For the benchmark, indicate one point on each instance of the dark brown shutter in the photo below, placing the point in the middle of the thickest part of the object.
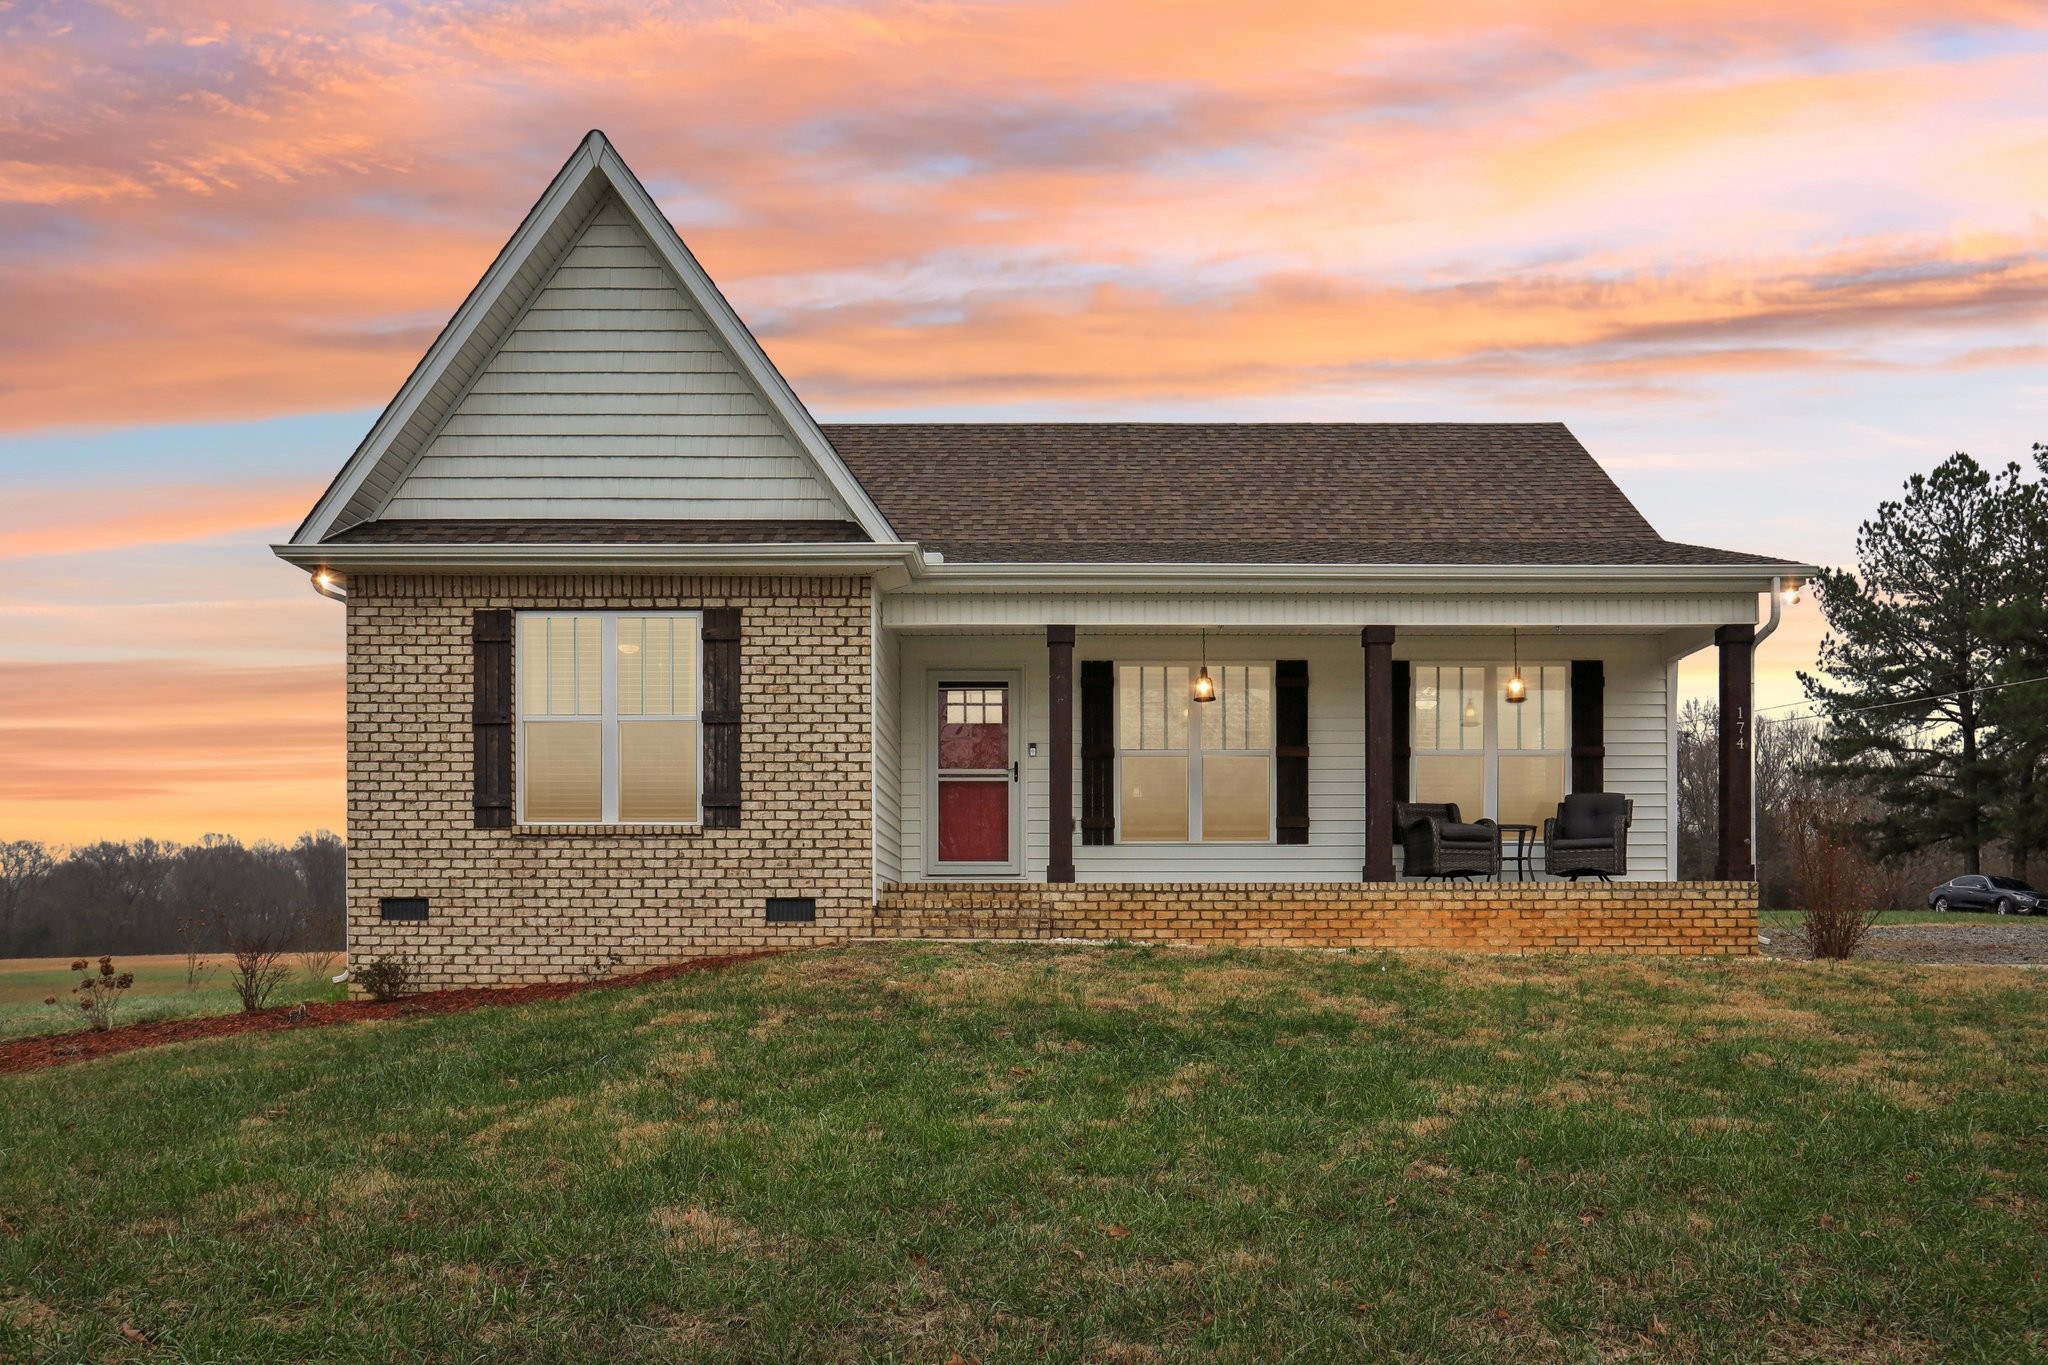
(722, 718)
(1098, 752)
(1290, 750)
(1589, 725)
(490, 716)
(1404, 743)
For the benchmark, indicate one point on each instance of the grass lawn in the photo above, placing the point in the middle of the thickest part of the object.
(1792, 919)
(1026, 1153)
(159, 991)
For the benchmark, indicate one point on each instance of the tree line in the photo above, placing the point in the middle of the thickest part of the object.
(151, 896)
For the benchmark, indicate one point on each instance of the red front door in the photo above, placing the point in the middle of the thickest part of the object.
(975, 773)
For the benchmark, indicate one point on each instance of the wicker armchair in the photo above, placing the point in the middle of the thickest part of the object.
(1588, 837)
(1435, 843)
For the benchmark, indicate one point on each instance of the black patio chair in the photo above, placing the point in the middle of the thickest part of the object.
(1436, 843)
(1588, 837)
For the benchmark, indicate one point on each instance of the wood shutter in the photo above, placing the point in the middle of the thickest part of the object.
(1404, 743)
(1589, 725)
(1098, 752)
(490, 716)
(721, 718)
(1290, 750)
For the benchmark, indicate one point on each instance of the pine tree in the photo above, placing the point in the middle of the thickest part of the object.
(2017, 707)
(1908, 651)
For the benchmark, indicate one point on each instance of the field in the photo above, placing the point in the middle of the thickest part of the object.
(1027, 1153)
(159, 991)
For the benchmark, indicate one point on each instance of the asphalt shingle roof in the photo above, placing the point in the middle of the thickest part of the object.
(1255, 493)
(1188, 492)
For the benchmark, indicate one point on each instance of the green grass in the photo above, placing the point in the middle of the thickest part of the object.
(159, 992)
(1791, 919)
(1027, 1153)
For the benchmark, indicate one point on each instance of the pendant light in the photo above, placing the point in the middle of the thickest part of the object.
(1204, 686)
(1518, 690)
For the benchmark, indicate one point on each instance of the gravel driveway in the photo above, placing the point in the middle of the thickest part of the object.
(1978, 941)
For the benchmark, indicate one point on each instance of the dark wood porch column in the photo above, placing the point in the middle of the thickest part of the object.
(1379, 752)
(1736, 861)
(1059, 726)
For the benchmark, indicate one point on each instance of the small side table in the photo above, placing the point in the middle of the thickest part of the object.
(1523, 854)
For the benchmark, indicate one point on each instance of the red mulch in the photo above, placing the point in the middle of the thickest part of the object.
(29, 1054)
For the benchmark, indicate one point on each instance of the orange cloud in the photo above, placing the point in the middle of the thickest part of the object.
(169, 748)
(68, 520)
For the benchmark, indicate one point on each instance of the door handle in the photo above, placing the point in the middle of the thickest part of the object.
(1016, 774)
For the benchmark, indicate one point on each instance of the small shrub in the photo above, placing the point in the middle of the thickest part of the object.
(1835, 881)
(99, 991)
(387, 978)
(318, 964)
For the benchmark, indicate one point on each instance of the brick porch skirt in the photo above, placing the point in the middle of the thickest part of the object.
(1658, 918)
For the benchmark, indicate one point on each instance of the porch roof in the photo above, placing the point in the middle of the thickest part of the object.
(1475, 493)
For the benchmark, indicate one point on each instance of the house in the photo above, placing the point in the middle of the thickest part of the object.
(644, 662)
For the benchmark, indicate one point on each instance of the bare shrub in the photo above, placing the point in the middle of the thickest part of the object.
(259, 937)
(98, 991)
(387, 978)
(318, 964)
(1838, 900)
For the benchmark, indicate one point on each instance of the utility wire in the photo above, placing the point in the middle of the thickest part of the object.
(1910, 701)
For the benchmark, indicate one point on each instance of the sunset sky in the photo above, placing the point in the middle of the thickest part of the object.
(1766, 259)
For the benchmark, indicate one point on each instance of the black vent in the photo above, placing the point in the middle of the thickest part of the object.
(403, 907)
(792, 909)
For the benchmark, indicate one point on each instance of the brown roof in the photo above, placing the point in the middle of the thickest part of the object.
(1255, 493)
(576, 531)
(1187, 492)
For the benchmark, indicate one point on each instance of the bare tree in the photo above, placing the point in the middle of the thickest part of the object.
(25, 864)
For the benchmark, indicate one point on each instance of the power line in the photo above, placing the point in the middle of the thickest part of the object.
(1910, 701)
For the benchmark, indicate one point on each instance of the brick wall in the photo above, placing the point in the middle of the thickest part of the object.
(1661, 918)
(517, 905)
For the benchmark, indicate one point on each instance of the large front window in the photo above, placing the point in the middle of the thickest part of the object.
(608, 715)
(1495, 758)
(1191, 772)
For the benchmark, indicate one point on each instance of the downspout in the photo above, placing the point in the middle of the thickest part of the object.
(327, 584)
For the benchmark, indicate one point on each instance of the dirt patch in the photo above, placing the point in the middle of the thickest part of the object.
(30, 1054)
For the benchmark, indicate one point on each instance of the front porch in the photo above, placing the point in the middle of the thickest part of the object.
(1011, 754)
(1657, 918)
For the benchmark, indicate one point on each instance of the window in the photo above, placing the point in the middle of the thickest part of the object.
(1495, 758)
(1180, 781)
(608, 717)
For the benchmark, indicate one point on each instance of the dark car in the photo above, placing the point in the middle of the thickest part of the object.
(2006, 895)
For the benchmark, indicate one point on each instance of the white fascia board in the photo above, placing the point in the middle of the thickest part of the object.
(740, 340)
(838, 557)
(1410, 578)
(320, 522)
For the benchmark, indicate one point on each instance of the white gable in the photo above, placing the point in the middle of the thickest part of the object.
(595, 372)
(611, 397)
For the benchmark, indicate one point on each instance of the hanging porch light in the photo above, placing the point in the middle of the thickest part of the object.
(1204, 687)
(1518, 689)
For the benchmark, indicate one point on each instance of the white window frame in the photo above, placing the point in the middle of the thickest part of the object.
(1193, 753)
(607, 716)
(1489, 751)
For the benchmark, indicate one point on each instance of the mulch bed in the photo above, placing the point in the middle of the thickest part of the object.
(30, 1054)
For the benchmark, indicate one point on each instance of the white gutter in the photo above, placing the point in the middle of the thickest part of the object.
(931, 572)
